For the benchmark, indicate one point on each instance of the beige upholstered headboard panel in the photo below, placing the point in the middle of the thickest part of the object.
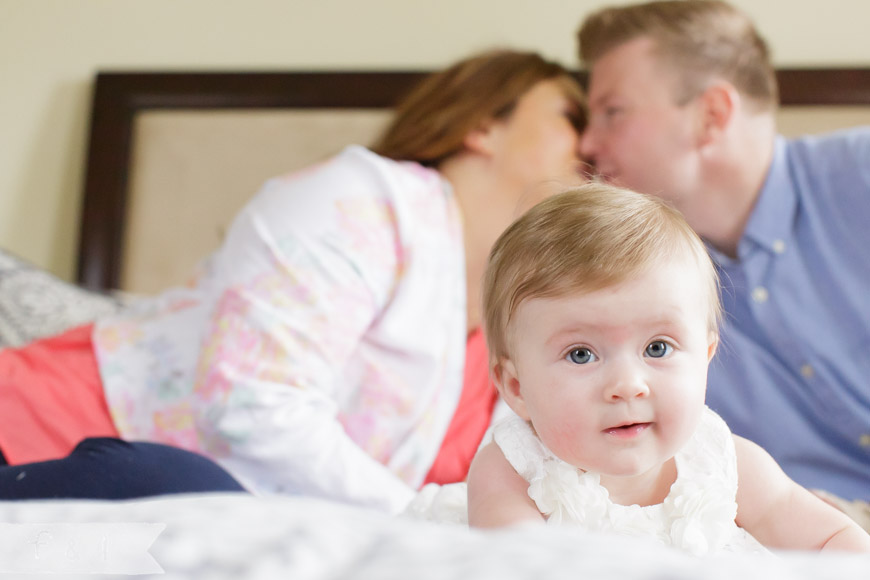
(191, 171)
(173, 156)
(794, 121)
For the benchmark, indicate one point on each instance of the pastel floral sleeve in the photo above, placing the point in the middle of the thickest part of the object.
(320, 350)
(302, 291)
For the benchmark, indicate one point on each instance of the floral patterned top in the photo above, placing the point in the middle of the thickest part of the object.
(320, 350)
(697, 516)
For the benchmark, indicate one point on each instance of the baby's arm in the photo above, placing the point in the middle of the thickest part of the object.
(779, 513)
(497, 494)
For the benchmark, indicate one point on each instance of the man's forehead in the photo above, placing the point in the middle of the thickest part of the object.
(620, 69)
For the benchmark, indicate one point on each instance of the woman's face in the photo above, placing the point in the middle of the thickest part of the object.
(535, 149)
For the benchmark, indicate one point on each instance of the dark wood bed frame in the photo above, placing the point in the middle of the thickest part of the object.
(119, 96)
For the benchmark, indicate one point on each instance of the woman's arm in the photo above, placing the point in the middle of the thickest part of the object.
(289, 367)
(498, 495)
(779, 513)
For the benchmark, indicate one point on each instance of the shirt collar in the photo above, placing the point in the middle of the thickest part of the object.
(771, 222)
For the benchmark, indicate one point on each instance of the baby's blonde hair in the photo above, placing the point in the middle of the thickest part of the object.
(583, 240)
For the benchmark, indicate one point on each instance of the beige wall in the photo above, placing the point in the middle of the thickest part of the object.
(51, 49)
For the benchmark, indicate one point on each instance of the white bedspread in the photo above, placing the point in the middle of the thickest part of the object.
(242, 537)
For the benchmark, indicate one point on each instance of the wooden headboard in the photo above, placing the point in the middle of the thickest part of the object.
(173, 155)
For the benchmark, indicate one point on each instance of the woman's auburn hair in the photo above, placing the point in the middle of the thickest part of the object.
(431, 123)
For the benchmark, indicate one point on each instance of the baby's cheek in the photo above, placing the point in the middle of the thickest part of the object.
(562, 436)
(682, 422)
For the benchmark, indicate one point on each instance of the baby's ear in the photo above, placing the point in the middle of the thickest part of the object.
(506, 379)
(713, 344)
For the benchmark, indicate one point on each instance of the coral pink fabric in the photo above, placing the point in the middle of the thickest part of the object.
(471, 419)
(51, 397)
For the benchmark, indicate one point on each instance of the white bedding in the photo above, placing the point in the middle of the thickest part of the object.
(241, 537)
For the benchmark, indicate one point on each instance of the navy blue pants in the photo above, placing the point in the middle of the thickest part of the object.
(108, 468)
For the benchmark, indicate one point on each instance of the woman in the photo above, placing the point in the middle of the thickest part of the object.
(325, 347)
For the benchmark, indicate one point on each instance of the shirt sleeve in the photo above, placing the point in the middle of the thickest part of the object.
(300, 281)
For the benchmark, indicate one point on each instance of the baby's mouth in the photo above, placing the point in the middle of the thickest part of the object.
(627, 430)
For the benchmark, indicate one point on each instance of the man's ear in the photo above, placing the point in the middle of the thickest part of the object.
(718, 105)
(504, 375)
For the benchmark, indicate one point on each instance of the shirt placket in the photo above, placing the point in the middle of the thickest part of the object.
(761, 298)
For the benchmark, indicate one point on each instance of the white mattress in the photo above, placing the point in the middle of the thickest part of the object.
(242, 537)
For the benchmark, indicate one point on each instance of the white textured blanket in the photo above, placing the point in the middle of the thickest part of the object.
(240, 536)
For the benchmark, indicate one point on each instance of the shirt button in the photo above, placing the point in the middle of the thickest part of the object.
(807, 371)
(778, 246)
(759, 294)
(865, 440)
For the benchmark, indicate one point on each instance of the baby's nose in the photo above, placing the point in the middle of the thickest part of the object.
(626, 384)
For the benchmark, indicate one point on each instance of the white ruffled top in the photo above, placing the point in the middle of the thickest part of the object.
(697, 516)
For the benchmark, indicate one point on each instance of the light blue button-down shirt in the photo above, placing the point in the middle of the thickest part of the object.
(793, 368)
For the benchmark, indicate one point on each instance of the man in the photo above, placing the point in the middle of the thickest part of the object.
(682, 101)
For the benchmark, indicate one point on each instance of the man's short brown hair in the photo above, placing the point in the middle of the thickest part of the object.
(699, 40)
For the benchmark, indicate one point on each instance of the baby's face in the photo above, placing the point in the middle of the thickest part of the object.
(613, 381)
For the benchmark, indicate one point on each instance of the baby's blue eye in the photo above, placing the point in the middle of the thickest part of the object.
(581, 356)
(658, 349)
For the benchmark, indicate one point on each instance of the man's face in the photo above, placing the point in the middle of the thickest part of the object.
(638, 136)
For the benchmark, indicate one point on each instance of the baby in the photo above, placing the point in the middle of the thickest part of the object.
(601, 310)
